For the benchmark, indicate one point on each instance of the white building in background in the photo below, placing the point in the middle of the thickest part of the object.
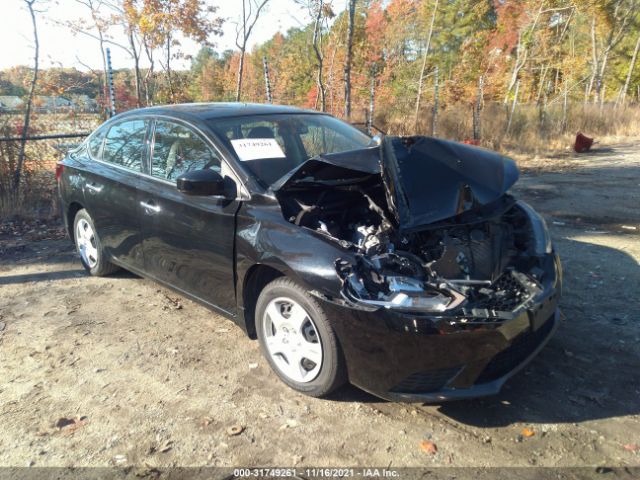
(10, 102)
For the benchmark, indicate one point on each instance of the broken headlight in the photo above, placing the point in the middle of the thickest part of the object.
(402, 293)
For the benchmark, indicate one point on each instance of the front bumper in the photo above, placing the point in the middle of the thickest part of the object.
(393, 356)
(527, 349)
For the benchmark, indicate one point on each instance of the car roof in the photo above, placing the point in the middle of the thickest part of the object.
(207, 111)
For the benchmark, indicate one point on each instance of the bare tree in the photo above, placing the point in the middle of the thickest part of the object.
(317, 48)
(424, 64)
(100, 26)
(522, 51)
(100, 31)
(632, 65)
(319, 11)
(619, 21)
(135, 48)
(27, 114)
(251, 10)
(347, 62)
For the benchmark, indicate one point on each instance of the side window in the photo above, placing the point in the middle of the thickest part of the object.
(178, 149)
(124, 144)
(95, 142)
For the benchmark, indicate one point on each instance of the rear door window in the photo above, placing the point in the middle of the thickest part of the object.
(125, 144)
(95, 142)
(178, 149)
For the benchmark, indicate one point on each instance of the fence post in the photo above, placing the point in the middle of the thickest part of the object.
(112, 95)
(434, 121)
(476, 109)
(267, 83)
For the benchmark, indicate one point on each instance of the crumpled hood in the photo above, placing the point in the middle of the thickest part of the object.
(429, 179)
(426, 179)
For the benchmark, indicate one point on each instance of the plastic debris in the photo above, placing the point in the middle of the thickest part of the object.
(583, 143)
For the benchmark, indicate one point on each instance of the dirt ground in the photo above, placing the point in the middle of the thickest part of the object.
(118, 371)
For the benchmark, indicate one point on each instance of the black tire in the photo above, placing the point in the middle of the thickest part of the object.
(102, 266)
(332, 373)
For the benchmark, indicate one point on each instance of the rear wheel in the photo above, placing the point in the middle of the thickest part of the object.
(89, 247)
(297, 339)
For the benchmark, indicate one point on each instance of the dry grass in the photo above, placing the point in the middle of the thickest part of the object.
(530, 132)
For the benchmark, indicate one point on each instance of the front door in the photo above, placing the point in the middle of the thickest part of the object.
(188, 241)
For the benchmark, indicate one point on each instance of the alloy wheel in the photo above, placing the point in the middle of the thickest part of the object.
(86, 242)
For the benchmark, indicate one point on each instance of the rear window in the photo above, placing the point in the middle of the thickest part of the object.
(125, 145)
(95, 142)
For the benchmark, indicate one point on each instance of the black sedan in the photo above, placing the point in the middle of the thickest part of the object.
(399, 264)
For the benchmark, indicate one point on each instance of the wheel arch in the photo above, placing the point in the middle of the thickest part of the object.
(72, 211)
(257, 277)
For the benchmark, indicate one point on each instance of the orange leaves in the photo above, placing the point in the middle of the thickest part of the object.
(527, 432)
(428, 446)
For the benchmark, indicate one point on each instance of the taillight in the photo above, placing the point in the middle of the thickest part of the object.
(59, 170)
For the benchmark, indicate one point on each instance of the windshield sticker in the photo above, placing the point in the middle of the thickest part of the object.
(257, 148)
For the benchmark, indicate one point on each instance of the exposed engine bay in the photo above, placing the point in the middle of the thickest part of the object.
(480, 263)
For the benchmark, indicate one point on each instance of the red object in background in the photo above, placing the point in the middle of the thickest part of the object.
(471, 142)
(583, 143)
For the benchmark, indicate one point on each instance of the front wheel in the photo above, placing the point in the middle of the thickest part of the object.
(89, 247)
(297, 339)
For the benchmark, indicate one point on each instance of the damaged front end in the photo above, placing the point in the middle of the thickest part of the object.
(427, 228)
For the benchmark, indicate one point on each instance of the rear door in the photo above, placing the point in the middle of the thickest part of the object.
(188, 241)
(110, 189)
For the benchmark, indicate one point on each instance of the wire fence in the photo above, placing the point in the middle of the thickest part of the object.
(48, 139)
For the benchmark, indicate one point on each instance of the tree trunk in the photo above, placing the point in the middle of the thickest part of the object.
(240, 70)
(434, 118)
(545, 69)
(27, 114)
(424, 66)
(594, 60)
(632, 65)
(169, 80)
(372, 99)
(565, 107)
(136, 64)
(318, 51)
(513, 107)
(347, 63)
(599, 98)
(477, 108)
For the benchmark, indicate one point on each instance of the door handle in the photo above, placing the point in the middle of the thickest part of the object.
(150, 207)
(94, 188)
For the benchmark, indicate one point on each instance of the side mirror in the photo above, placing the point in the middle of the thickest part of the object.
(201, 183)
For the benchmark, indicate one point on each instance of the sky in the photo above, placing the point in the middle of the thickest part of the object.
(60, 48)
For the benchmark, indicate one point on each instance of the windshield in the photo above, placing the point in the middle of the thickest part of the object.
(272, 145)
